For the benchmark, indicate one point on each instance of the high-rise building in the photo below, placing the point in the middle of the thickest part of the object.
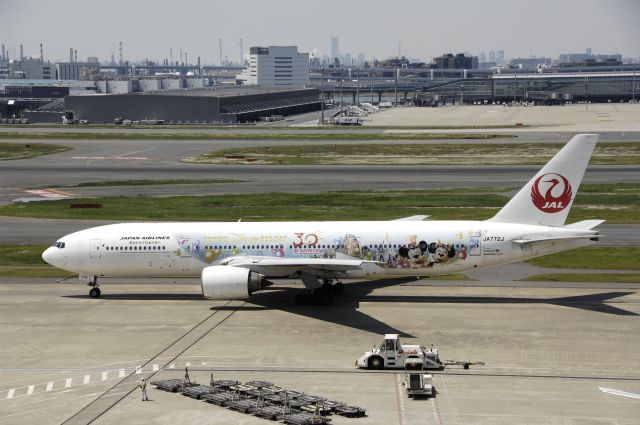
(276, 66)
(335, 47)
(360, 59)
(492, 56)
(500, 57)
(347, 59)
(459, 61)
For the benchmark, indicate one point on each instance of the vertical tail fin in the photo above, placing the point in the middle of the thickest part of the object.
(547, 198)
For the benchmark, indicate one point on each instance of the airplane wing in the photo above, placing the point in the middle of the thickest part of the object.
(412, 218)
(279, 264)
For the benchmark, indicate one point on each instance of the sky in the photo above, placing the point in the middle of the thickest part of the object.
(422, 28)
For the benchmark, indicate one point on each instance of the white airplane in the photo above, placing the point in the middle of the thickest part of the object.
(236, 259)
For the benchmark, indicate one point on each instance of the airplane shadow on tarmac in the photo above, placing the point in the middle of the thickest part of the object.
(344, 310)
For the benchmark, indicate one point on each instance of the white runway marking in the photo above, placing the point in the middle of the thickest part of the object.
(155, 367)
(619, 392)
(30, 389)
(49, 386)
(187, 364)
(11, 392)
(90, 158)
(172, 366)
(87, 379)
(138, 370)
(49, 194)
(105, 375)
(67, 383)
(121, 373)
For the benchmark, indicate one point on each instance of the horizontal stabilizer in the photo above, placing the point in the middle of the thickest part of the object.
(526, 241)
(584, 225)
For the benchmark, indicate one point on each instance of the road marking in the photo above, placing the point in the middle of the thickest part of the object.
(11, 392)
(121, 373)
(619, 392)
(87, 379)
(172, 366)
(138, 370)
(436, 410)
(49, 194)
(204, 363)
(187, 364)
(400, 402)
(67, 383)
(138, 158)
(30, 389)
(155, 367)
(105, 375)
(49, 386)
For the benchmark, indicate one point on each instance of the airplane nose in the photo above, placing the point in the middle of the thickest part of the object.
(47, 255)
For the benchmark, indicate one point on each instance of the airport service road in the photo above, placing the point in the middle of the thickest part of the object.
(547, 349)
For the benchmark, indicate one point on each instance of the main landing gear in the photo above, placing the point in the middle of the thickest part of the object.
(94, 292)
(321, 295)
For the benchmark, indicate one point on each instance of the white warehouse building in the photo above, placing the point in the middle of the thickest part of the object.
(276, 66)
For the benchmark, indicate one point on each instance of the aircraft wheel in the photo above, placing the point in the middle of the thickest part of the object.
(94, 292)
(338, 288)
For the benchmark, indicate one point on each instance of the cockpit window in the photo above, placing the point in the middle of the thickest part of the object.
(59, 245)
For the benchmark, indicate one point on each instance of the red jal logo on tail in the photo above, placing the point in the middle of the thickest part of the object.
(554, 184)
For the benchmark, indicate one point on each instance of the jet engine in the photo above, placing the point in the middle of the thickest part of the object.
(230, 283)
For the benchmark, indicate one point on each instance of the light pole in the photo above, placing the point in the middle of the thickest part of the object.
(371, 83)
(357, 88)
(515, 77)
(396, 86)
(321, 96)
(633, 85)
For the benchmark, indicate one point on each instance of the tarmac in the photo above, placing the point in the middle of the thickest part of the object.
(548, 347)
(579, 117)
(547, 350)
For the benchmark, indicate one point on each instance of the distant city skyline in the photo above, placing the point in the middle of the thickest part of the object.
(424, 29)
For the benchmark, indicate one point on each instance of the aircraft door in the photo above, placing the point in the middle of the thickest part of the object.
(185, 247)
(96, 248)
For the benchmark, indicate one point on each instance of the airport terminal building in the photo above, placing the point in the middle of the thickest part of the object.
(542, 88)
(207, 105)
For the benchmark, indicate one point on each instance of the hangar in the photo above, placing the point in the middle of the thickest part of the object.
(203, 105)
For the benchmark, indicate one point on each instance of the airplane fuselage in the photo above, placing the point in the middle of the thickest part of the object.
(400, 248)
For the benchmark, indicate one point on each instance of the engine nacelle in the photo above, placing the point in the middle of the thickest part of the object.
(230, 283)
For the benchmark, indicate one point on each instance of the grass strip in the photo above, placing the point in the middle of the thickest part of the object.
(609, 258)
(620, 206)
(34, 272)
(22, 255)
(9, 151)
(71, 135)
(623, 153)
(586, 277)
